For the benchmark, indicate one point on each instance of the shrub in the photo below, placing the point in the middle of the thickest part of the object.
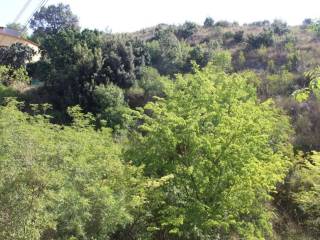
(223, 24)
(110, 105)
(279, 27)
(10, 76)
(186, 30)
(207, 133)
(264, 38)
(238, 36)
(62, 182)
(208, 22)
(16, 56)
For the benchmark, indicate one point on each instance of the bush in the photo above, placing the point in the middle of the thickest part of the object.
(264, 23)
(62, 182)
(238, 36)
(16, 56)
(223, 24)
(110, 106)
(10, 76)
(223, 60)
(207, 133)
(186, 30)
(304, 185)
(228, 35)
(208, 22)
(279, 27)
(264, 38)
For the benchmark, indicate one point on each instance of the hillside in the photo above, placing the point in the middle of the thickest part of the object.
(169, 133)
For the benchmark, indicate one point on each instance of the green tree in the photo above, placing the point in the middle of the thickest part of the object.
(51, 19)
(168, 54)
(208, 22)
(62, 182)
(110, 106)
(16, 56)
(186, 30)
(225, 150)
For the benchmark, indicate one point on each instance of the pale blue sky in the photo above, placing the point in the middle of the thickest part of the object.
(132, 15)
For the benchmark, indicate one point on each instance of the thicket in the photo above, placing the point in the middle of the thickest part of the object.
(178, 132)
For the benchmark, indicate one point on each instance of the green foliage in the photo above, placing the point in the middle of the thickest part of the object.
(168, 54)
(241, 60)
(52, 19)
(238, 36)
(16, 56)
(223, 24)
(123, 60)
(10, 76)
(225, 150)
(6, 93)
(304, 183)
(62, 182)
(202, 54)
(208, 22)
(222, 59)
(314, 86)
(152, 83)
(315, 27)
(279, 27)
(75, 62)
(278, 84)
(264, 38)
(110, 105)
(186, 30)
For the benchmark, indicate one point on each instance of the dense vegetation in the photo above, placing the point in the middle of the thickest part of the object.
(173, 132)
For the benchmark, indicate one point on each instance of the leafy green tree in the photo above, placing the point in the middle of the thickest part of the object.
(10, 76)
(168, 54)
(62, 182)
(186, 30)
(16, 56)
(222, 59)
(151, 84)
(51, 19)
(123, 60)
(225, 150)
(110, 106)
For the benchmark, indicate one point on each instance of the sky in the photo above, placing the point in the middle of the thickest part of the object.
(133, 15)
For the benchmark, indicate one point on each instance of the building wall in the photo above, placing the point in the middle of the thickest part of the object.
(7, 40)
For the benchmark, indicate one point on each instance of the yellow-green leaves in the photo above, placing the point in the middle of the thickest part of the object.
(68, 181)
(226, 152)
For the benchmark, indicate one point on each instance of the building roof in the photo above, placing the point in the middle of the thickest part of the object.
(9, 32)
(15, 34)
